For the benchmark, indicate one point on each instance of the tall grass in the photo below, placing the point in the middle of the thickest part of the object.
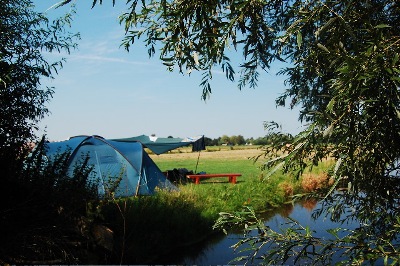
(148, 228)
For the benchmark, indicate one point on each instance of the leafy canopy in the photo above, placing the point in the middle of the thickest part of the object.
(343, 72)
(343, 63)
(25, 36)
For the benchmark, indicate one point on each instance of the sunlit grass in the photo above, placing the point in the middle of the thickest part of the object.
(215, 195)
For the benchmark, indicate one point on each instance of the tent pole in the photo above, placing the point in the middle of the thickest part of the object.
(101, 175)
(197, 163)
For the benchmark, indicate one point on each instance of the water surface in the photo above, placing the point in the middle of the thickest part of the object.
(217, 250)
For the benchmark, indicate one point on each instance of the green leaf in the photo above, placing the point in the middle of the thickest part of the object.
(167, 59)
(381, 26)
(330, 105)
(328, 131)
(395, 59)
(381, 249)
(349, 186)
(294, 24)
(334, 232)
(322, 47)
(299, 39)
(168, 64)
(389, 71)
(325, 26)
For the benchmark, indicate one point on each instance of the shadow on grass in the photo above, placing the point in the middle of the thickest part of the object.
(149, 228)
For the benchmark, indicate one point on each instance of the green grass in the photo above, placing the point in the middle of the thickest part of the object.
(148, 226)
(215, 195)
(246, 167)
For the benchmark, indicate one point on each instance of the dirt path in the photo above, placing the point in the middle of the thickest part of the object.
(223, 154)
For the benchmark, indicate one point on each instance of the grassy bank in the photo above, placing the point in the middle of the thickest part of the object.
(56, 219)
(147, 229)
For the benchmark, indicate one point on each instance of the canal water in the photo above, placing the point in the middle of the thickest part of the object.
(217, 250)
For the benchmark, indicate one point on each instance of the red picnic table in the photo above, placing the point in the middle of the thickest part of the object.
(198, 177)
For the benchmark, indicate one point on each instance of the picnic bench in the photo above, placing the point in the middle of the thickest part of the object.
(231, 177)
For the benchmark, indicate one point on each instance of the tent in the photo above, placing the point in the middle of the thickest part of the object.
(162, 145)
(125, 164)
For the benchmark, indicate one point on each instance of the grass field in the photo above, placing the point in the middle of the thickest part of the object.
(217, 194)
(218, 161)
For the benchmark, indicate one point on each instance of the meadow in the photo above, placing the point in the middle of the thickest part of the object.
(217, 194)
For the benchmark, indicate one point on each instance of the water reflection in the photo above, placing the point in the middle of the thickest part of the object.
(217, 249)
(309, 204)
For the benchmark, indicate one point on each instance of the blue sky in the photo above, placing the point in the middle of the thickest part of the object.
(104, 90)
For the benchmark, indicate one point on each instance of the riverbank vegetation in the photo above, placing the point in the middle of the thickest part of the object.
(62, 221)
(168, 221)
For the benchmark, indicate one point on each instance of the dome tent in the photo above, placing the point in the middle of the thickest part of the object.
(126, 162)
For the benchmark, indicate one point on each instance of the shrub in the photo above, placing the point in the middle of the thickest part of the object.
(287, 188)
(312, 182)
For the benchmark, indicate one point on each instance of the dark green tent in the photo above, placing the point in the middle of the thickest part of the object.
(163, 145)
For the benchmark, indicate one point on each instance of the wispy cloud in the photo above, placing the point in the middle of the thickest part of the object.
(105, 59)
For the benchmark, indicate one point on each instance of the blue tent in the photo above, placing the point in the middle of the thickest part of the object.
(123, 163)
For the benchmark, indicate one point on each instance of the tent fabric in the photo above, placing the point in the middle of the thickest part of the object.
(123, 163)
(162, 145)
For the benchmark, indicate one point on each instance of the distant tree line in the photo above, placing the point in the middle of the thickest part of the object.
(240, 140)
